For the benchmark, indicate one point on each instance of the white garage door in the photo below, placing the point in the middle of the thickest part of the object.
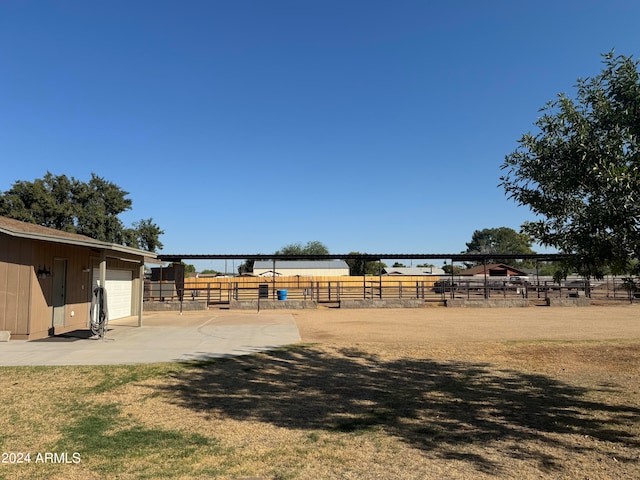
(119, 288)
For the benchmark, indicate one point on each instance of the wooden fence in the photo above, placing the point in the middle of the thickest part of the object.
(220, 290)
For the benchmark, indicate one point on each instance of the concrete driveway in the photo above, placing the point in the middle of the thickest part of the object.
(164, 337)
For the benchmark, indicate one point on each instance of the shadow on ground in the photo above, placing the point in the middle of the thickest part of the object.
(440, 407)
(72, 336)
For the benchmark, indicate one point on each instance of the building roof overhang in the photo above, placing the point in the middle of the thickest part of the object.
(18, 229)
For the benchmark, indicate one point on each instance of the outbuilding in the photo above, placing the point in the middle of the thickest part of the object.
(412, 271)
(47, 277)
(493, 270)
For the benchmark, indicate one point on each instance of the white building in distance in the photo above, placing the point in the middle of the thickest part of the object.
(302, 268)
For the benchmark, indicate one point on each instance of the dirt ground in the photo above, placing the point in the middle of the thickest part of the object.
(441, 326)
(564, 383)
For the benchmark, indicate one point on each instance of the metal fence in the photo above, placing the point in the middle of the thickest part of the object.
(221, 292)
(609, 288)
(319, 291)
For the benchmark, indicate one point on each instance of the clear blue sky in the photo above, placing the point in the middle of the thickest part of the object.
(242, 126)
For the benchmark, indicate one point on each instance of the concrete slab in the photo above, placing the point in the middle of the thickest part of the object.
(164, 337)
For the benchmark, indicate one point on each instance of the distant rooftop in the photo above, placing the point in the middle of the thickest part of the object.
(301, 264)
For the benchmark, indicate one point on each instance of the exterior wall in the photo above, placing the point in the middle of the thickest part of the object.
(77, 288)
(480, 277)
(266, 304)
(386, 303)
(488, 303)
(16, 275)
(568, 302)
(26, 301)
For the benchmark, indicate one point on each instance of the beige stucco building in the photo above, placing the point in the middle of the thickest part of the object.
(47, 277)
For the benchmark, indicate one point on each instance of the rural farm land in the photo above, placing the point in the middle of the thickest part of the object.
(434, 392)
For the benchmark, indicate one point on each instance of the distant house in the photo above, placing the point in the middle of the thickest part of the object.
(303, 268)
(412, 271)
(47, 277)
(493, 270)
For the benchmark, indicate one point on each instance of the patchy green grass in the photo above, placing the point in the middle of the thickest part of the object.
(50, 413)
(110, 377)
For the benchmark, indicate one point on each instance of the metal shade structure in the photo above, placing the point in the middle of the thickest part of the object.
(456, 257)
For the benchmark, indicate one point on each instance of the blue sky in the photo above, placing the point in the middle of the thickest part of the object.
(242, 126)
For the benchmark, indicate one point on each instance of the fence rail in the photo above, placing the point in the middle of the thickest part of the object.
(220, 291)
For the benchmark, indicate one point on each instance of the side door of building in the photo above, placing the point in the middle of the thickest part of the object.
(59, 291)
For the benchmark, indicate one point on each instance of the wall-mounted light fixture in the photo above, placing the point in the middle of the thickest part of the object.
(43, 272)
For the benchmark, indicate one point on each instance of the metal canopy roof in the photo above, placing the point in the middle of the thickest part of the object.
(457, 257)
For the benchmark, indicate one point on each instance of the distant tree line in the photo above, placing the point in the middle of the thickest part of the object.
(87, 208)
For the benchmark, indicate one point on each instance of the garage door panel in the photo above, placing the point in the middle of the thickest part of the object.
(119, 288)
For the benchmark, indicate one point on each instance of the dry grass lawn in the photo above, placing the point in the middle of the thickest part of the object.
(369, 394)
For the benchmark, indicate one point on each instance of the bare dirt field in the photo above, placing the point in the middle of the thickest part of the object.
(515, 393)
(436, 325)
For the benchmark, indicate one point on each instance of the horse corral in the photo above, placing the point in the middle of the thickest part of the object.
(423, 290)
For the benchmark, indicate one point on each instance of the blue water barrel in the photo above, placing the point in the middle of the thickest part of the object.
(282, 294)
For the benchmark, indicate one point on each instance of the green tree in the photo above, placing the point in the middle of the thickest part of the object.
(147, 235)
(580, 173)
(246, 267)
(547, 269)
(501, 240)
(90, 209)
(188, 268)
(46, 201)
(311, 248)
(359, 266)
(457, 269)
(96, 207)
(210, 271)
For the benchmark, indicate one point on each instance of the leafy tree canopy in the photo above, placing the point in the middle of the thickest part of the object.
(246, 267)
(358, 266)
(500, 240)
(580, 173)
(457, 269)
(210, 271)
(90, 209)
(311, 248)
(188, 268)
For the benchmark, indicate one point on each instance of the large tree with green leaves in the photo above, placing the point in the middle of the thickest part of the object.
(580, 173)
(88, 208)
(493, 241)
(311, 248)
(360, 266)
